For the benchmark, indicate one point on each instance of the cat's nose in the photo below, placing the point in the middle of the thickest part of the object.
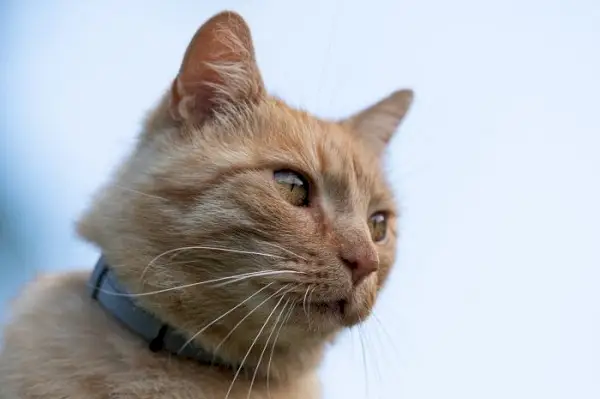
(361, 261)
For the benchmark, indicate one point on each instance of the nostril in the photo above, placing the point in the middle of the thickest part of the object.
(342, 305)
(350, 264)
(359, 269)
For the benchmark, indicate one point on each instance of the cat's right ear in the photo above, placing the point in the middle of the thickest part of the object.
(219, 69)
(377, 124)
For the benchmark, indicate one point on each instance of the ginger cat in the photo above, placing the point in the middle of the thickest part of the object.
(255, 231)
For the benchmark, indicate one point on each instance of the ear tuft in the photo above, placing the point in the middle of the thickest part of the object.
(378, 123)
(219, 69)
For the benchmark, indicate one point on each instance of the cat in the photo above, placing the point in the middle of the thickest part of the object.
(255, 231)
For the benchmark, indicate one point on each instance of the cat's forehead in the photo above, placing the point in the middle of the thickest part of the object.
(326, 151)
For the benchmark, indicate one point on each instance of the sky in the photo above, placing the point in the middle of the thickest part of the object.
(496, 168)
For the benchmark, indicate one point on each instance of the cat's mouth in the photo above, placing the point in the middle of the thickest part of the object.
(346, 312)
(337, 308)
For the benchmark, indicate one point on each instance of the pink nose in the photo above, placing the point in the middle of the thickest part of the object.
(361, 262)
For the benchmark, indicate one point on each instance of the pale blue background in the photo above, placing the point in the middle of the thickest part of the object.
(497, 168)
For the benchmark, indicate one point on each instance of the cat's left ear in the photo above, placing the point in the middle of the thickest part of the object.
(378, 123)
(219, 70)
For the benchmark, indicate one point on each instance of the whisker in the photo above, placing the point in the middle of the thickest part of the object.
(304, 301)
(386, 333)
(140, 192)
(245, 317)
(261, 231)
(262, 353)
(237, 251)
(384, 351)
(223, 315)
(309, 301)
(285, 320)
(171, 262)
(364, 360)
(209, 248)
(264, 233)
(241, 278)
(371, 350)
(284, 249)
(254, 342)
(161, 291)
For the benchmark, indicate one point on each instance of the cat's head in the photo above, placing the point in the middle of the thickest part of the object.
(263, 206)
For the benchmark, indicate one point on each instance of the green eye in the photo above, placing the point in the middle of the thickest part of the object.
(292, 186)
(378, 226)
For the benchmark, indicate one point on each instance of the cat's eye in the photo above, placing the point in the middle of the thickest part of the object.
(378, 226)
(292, 186)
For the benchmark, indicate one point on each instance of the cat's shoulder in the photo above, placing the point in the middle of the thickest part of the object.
(48, 324)
(49, 294)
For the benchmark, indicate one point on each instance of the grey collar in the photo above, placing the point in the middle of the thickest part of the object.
(105, 289)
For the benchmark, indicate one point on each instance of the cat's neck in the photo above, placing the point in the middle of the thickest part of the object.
(260, 350)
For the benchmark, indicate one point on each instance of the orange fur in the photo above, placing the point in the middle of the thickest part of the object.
(202, 175)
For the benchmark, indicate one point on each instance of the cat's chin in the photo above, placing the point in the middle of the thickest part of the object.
(336, 314)
(354, 313)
